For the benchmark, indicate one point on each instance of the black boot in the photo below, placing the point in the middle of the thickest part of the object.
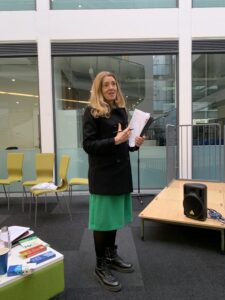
(105, 277)
(115, 262)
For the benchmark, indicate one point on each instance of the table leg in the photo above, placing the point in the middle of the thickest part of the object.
(142, 229)
(222, 241)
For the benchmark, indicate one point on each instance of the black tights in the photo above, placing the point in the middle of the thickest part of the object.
(103, 239)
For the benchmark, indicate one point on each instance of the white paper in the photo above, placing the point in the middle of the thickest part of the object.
(137, 123)
(44, 186)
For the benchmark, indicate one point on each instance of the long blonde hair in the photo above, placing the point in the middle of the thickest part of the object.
(100, 108)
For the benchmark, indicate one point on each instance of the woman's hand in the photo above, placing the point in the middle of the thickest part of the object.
(122, 135)
(139, 140)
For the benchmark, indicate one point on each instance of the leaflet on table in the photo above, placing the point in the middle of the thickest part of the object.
(42, 257)
(24, 269)
(137, 123)
(32, 241)
(32, 251)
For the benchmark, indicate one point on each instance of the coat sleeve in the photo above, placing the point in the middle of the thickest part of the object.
(92, 144)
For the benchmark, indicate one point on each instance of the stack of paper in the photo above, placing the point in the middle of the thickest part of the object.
(137, 123)
(44, 186)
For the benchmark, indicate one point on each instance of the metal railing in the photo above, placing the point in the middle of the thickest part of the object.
(195, 152)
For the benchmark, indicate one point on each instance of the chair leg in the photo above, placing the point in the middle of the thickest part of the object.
(70, 193)
(31, 198)
(57, 197)
(35, 216)
(68, 208)
(24, 195)
(6, 195)
(45, 203)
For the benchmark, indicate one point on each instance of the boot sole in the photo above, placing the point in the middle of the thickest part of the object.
(108, 287)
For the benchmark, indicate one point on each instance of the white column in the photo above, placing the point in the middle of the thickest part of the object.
(45, 77)
(185, 89)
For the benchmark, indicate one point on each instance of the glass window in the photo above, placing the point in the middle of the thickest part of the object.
(208, 114)
(7, 5)
(148, 82)
(19, 110)
(208, 3)
(111, 4)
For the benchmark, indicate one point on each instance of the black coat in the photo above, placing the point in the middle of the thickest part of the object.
(109, 164)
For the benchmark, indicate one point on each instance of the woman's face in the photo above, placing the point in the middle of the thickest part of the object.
(109, 88)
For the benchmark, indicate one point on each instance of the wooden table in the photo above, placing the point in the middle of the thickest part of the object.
(167, 207)
(46, 281)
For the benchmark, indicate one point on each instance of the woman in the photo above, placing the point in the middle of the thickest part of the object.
(105, 139)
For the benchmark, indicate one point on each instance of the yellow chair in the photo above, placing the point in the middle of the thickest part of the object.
(76, 181)
(63, 169)
(44, 166)
(15, 172)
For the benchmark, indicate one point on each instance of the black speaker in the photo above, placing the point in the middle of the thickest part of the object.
(195, 201)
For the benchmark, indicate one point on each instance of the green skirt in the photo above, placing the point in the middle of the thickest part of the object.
(107, 212)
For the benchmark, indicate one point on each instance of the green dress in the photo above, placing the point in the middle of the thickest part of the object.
(109, 212)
